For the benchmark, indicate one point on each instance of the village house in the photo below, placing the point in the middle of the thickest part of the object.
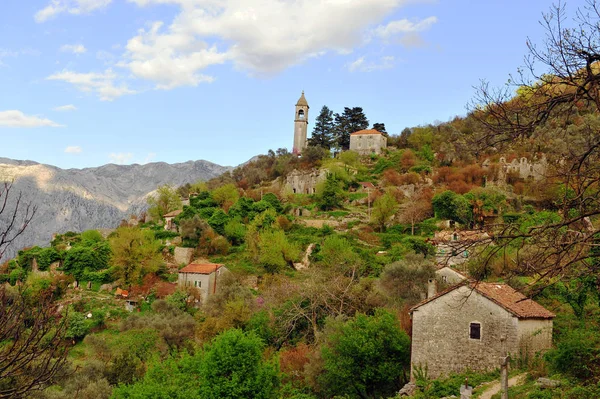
(202, 276)
(471, 325)
(449, 275)
(455, 247)
(169, 220)
(368, 141)
(305, 182)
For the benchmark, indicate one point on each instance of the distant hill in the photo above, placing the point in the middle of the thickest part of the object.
(82, 199)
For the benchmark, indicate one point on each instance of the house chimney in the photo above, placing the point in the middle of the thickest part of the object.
(431, 288)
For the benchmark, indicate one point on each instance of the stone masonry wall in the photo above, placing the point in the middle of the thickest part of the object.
(441, 333)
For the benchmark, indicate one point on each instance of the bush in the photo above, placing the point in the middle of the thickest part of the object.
(577, 354)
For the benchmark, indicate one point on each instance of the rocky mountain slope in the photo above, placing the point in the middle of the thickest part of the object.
(82, 199)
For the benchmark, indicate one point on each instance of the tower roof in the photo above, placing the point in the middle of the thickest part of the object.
(302, 100)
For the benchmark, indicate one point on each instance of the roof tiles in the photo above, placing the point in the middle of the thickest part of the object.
(201, 268)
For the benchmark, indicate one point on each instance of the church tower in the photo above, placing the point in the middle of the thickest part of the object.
(300, 125)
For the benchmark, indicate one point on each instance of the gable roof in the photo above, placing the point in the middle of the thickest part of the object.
(201, 268)
(366, 131)
(502, 295)
(173, 214)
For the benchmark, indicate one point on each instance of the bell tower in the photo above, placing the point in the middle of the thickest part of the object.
(300, 125)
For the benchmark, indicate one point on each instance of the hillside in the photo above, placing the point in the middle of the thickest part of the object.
(82, 199)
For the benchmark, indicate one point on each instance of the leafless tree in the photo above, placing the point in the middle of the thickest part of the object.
(15, 216)
(32, 346)
(555, 112)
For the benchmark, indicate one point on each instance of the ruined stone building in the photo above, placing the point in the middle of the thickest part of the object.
(524, 168)
(470, 325)
(300, 125)
(305, 182)
(455, 247)
(368, 141)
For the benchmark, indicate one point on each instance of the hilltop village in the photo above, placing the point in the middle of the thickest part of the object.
(360, 264)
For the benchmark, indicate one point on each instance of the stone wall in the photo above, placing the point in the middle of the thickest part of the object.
(305, 182)
(535, 335)
(526, 169)
(183, 255)
(441, 333)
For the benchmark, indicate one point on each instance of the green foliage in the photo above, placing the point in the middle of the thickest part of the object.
(218, 220)
(337, 252)
(384, 208)
(164, 201)
(226, 195)
(273, 201)
(577, 354)
(135, 253)
(276, 252)
(331, 195)
(165, 234)
(366, 356)
(322, 134)
(233, 367)
(350, 121)
(406, 279)
(83, 259)
(242, 208)
(77, 326)
(91, 236)
(452, 206)
(235, 231)
(419, 245)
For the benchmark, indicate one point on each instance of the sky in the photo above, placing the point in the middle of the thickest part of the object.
(89, 82)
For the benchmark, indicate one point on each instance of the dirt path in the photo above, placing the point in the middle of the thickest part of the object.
(494, 388)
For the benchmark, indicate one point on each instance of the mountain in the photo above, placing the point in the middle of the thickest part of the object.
(90, 198)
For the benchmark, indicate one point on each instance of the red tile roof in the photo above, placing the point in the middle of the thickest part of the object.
(201, 268)
(366, 184)
(366, 131)
(503, 295)
(173, 214)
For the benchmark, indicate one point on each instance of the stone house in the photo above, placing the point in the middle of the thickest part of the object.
(202, 276)
(524, 168)
(169, 220)
(305, 182)
(448, 275)
(368, 141)
(471, 325)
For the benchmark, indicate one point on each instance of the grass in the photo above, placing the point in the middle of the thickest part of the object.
(338, 214)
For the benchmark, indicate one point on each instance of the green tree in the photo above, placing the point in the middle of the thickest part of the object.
(83, 259)
(218, 221)
(364, 357)
(384, 208)
(135, 253)
(164, 201)
(276, 252)
(452, 206)
(380, 127)
(226, 195)
(233, 367)
(235, 231)
(322, 135)
(406, 279)
(350, 121)
(331, 193)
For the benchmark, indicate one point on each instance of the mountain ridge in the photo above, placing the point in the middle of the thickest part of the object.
(95, 197)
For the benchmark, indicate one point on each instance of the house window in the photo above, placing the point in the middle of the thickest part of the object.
(444, 279)
(475, 331)
(197, 284)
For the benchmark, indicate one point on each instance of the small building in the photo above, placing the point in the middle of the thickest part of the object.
(202, 276)
(471, 325)
(368, 141)
(455, 247)
(169, 220)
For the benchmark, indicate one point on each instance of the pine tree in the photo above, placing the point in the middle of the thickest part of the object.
(350, 121)
(380, 127)
(322, 135)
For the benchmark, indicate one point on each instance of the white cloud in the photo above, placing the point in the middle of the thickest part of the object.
(14, 118)
(120, 158)
(63, 108)
(73, 149)
(73, 48)
(403, 26)
(362, 65)
(263, 37)
(75, 7)
(103, 84)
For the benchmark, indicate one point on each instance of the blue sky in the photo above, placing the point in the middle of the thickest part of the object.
(88, 82)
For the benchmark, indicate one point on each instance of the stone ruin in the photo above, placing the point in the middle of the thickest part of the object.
(526, 169)
(305, 182)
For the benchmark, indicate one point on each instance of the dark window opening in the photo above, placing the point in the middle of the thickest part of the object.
(301, 114)
(475, 331)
